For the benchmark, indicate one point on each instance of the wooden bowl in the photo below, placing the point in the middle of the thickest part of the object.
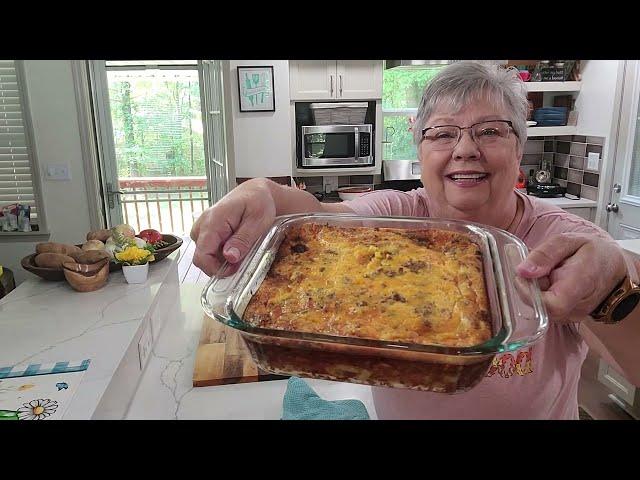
(174, 244)
(46, 273)
(114, 267)
(87, 278)
(57, 275)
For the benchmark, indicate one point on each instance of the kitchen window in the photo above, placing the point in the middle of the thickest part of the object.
(402, 90)
(19, 183)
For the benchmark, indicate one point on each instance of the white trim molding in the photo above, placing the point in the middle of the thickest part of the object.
(88, 143)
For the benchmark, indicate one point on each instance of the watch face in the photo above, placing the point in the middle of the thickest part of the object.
(625, 307)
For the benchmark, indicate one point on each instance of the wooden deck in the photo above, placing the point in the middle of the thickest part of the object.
(187, 271)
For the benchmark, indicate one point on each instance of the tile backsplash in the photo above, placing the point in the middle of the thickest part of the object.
(568, 156)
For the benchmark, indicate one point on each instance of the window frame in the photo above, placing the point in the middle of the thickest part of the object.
(34, 164)
(405, 113)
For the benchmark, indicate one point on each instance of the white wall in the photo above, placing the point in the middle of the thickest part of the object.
(595, 101)
(57, 141)
(596, 117)
(262, 140)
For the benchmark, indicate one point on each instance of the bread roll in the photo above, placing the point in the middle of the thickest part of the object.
(53, 247)
(52, 260)
(91, 256)
(93, 245)
(101, 235)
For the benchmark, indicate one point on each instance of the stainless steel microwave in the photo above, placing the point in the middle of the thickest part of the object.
(337, 146)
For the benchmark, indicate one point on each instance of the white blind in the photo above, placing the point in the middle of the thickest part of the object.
(16, 185)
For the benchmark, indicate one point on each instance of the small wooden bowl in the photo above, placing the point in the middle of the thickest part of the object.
(113, 266)
(46, 273)
(86, 277)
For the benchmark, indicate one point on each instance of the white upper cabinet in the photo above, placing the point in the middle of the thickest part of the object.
(312, 79)
(359, 79)
(335, 79)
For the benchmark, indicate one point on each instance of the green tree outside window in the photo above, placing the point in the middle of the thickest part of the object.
(402, 89)
(157, 126)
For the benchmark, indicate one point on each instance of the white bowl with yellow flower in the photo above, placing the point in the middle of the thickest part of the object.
(135, 263)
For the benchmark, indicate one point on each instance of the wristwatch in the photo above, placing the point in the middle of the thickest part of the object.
(620, 303)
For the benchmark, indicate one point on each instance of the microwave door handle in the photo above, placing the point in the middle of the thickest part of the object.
(331, 77)
(357, 145)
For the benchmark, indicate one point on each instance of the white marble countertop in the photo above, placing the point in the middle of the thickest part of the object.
(45, 322)
(564, 202)
(166, 391)
(632, 246)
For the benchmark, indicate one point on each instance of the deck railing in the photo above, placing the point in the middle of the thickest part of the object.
(167, 204)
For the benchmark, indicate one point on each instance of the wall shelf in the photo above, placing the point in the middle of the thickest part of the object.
(35, 236)
(550, 131)
(553, 86)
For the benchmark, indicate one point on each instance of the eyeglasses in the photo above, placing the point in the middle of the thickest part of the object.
(485, 134)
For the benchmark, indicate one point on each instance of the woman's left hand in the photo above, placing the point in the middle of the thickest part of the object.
(576, 272)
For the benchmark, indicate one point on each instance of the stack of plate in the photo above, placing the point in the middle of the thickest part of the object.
(550, 116)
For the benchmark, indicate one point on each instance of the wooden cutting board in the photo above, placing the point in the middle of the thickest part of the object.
(222, 358)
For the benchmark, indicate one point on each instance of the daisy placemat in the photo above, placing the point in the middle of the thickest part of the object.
(39, 391)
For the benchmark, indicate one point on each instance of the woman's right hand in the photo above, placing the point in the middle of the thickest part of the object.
(227, 230)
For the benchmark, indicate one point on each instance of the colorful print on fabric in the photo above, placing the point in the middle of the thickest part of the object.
(509, 364)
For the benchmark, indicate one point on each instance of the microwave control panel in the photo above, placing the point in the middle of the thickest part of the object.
(365, 144)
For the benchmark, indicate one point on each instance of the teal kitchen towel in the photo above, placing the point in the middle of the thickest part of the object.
(302, 403)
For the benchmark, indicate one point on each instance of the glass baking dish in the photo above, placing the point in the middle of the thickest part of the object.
(517, 314)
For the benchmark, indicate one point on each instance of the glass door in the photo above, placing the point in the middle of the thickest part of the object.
(623, 209)
(157, 142)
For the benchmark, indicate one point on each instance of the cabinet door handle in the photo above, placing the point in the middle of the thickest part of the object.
(331, 76)
(340, 85)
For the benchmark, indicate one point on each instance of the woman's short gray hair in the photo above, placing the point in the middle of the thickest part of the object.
(459, 84)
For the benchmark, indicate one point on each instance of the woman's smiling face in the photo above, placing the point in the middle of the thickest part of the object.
(469, 181)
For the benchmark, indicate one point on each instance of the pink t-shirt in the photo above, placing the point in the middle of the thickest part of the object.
(537, 382)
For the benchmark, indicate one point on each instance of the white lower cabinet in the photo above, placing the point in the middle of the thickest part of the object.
(623, 392)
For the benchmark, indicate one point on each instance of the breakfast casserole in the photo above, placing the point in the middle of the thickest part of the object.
(414, 286)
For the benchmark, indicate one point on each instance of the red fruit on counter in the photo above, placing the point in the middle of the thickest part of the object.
(150, 236)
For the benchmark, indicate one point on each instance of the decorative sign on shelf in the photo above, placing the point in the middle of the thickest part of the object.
(255, 89)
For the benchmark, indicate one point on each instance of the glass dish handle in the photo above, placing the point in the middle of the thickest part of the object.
(528, 314)
(218, 289)
(216, 292)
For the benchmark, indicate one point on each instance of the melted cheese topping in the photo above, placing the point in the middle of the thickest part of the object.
(416, 286)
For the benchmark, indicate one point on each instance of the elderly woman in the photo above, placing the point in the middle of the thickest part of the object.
(470, 130)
